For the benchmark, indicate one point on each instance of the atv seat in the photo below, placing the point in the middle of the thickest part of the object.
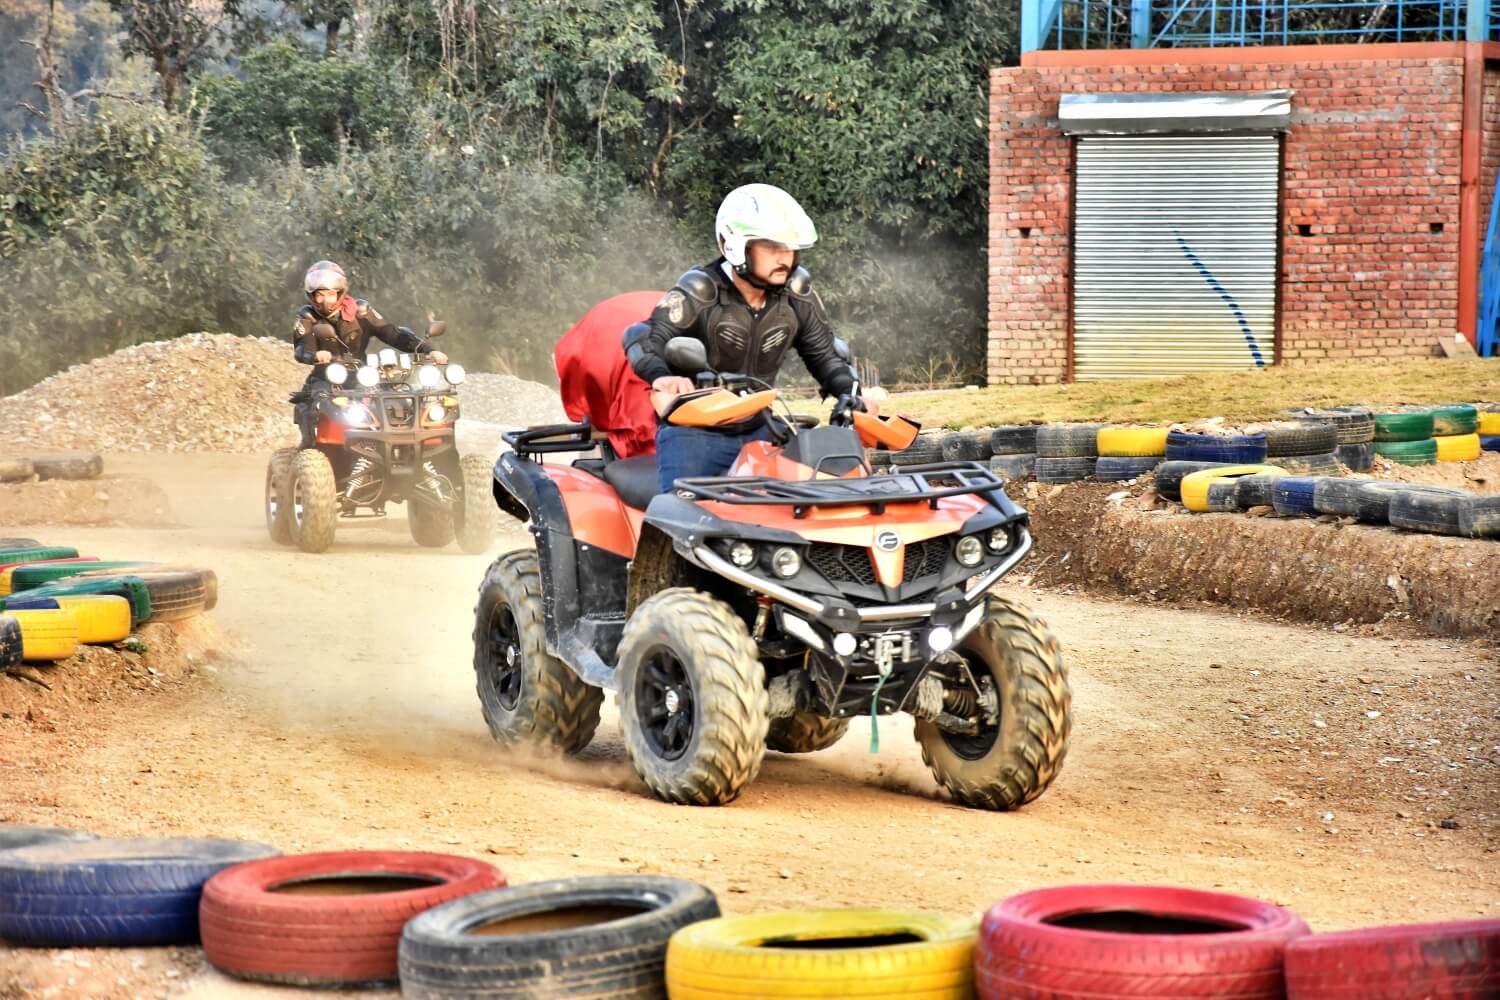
(635, 479)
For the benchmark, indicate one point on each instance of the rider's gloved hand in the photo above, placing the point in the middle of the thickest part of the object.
(437, 357)
(847, 404)
(323, 357)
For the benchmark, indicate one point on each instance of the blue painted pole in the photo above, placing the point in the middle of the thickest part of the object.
(1140, 24)
(1031, 25)
(1477, 28)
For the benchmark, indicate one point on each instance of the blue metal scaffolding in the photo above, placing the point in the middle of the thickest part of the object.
(1150, 24)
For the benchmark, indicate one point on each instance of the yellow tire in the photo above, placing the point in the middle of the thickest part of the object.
(100, 617)
(1132, 442)
(917, 956)
(47, 633)
(1489, 423)
(1458, 448)
(1195, 484)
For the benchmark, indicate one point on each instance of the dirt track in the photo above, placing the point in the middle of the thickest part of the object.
(346, 718)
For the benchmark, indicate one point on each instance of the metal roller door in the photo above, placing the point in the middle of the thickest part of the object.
(1174, 262)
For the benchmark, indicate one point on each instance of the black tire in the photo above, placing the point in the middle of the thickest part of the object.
(1375, 498)
(475, 515)
(68, 465)
(178, 593)
(1223, 496)
(1238, 449)
(1309, 465)
(1064, 470)
(431, 526)
(12, 642)
(528, 696)
(13, 836)
(925, 450)
(1352, 424)
(1479, 517)
(1068, 441)
(684, 646)
(608, 939)
(314, 494)
(1300, 439)
(1014, 761)
(1013, 466)
(804, 732)
(15, 470)
(1169, 476)
(1255, 491)
(959, 447)
(111, 893)
(278, 497)
(1356, 457)
(1013, 441)
(1428, 510)
(1119, 469)
(1339, 496)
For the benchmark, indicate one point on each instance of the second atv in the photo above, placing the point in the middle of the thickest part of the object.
(385, 434)
(766, 608)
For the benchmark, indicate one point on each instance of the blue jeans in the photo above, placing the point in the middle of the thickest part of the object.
(690, 452)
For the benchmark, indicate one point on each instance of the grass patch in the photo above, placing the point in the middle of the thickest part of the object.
(1237, 396)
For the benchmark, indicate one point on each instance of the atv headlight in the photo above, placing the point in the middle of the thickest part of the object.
(387, 357)
(367, 377)
(970, 551)
(785, 562)
(435, 413)
(999, 540)
(455, 374)
(357, 414)
(742, 554)
(427, 376)
(337, 373)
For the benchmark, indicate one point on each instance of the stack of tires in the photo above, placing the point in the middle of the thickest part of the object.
(1304, 447)
(1066, 453)
(1127, 453)
(1406, 437)
(52, 600)
(1455, 432)
(1013, 451)
(1354, 429)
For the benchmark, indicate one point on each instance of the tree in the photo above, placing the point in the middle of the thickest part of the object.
(175, 35)
(331, 14)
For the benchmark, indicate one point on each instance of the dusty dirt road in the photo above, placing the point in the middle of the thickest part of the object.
(1352, 776)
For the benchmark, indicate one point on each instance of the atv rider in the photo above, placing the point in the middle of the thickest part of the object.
(333, 325)
(747, 307)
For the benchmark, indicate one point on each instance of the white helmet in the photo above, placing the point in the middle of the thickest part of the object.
(760, 212)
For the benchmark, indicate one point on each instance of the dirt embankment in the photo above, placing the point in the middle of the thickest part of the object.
(125, 501)
(1302, 569)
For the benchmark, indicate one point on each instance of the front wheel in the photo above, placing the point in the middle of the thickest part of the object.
(475, 514)
(692, 698)
(1009, 763)
(805, 732)
(278, 495)
(314, 495)
(431, 526)
(528, 696)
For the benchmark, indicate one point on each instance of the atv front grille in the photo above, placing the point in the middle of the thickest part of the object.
(851, 563)
(400, 412)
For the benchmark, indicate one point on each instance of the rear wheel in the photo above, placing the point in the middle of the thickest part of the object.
(804, 732)
(1009, 763)
(527, 695)
(314, 496)
(431, 526)
(278, 496)
(475, 513)
(692, 698)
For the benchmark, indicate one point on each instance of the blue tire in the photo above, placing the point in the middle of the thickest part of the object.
(1293, 495)
(1491, 443)
(1240, 449)
(24, 603)
(111, 893)
(1119, 470)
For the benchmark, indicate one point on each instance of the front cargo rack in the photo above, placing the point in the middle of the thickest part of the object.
(913, 484)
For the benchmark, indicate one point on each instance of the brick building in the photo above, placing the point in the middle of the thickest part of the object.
(1150, 239)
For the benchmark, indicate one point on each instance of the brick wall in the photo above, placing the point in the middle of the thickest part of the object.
(1370, 168)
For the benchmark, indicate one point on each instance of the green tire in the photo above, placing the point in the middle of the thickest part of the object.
(41, 554)
(29, 577)
(1403, 427)
(132, 588)
(1455, 419)
(1408, 452)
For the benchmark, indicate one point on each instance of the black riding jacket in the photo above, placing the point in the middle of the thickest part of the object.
(350, 337)
(705, 304)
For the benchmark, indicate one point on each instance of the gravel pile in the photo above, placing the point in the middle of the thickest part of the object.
(211, 393)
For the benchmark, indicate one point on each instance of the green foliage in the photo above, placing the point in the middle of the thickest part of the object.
(286, 97)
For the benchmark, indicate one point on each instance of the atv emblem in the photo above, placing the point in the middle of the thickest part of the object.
(888, 541)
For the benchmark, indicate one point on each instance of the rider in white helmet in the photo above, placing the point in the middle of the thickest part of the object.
(748, 307)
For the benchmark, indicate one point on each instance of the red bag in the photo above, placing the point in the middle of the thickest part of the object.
(598, 384)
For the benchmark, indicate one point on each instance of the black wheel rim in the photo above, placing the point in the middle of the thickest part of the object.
(975, 746)
(664, 703)
(505, 657)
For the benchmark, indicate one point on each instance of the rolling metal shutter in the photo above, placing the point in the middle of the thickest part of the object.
(1174, 262)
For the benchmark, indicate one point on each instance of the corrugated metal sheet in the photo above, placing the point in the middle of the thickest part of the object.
(1174, 263)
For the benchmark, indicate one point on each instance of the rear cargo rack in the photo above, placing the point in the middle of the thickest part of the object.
(914, 483)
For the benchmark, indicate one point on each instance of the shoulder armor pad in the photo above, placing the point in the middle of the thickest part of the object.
(698, 285)
(304, 312)
(800, 283)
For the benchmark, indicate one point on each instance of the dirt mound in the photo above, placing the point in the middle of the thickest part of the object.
(130, 501)
(206, 393)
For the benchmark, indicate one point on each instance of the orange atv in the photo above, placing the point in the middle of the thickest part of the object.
(768, 607)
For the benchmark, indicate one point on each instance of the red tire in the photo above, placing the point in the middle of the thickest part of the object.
(1448, 961)
(1123, 941)
(331, 919)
